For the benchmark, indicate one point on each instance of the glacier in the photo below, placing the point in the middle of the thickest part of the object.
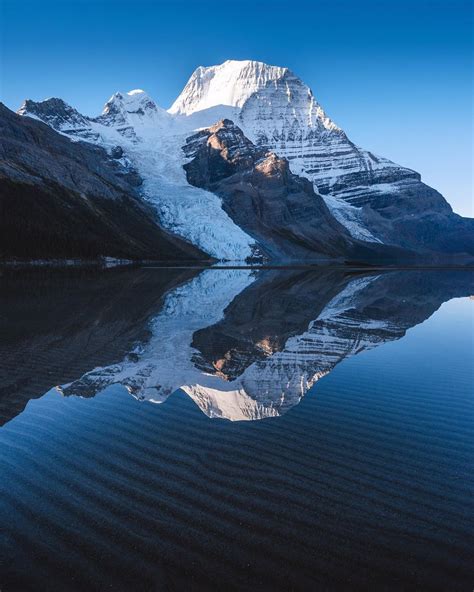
(151, 142)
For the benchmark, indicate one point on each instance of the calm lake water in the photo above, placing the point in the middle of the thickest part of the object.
(236, 430)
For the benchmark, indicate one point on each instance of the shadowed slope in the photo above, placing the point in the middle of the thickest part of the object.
(65, 199)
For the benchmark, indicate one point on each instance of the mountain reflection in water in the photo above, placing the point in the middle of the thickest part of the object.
(243, 344)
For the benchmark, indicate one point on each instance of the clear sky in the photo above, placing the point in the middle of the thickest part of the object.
(397, 76)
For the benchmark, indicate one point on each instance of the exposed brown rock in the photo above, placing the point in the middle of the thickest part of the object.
(260, 193)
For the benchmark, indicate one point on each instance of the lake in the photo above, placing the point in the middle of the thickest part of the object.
(236, 429)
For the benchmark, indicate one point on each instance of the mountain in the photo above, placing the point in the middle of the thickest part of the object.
(372, 196)
(363, 198)
(279, 209)
(150, 141)
(64, 199)
(123, 112)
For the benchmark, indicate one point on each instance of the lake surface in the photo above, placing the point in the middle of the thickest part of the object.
(235, 429)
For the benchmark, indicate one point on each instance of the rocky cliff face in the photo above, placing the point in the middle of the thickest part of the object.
(277, 208)
(60, 116)
(280, 210)
(64, 199)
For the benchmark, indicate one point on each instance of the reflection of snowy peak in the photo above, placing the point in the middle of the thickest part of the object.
(164, 364)
(280, 379)
(269, 381)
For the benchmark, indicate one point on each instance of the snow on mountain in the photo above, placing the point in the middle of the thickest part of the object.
(149, 140)
(135, 109)
(61, 117)
(230, 83)
(134, 102)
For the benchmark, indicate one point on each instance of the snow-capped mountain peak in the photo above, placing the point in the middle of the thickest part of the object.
(134, 101)
(230, 83)
(278, 112)
(131, 108)
(56, 113)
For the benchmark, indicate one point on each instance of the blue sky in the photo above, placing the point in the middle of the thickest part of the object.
(397, 76)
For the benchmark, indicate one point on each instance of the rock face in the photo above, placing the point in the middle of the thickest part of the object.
(372, 196)
(64, 199)
(260, 193)
(58, 115)
(279, 209)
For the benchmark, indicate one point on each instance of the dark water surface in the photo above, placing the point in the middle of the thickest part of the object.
(236, 430)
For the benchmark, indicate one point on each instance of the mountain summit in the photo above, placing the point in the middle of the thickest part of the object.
(133, 107)
(376, 199)
(230, 83)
